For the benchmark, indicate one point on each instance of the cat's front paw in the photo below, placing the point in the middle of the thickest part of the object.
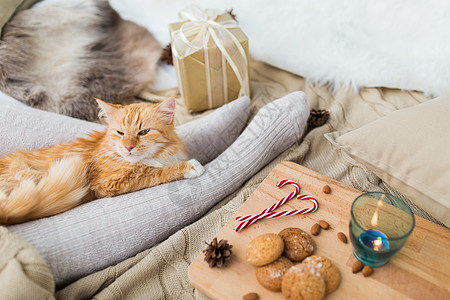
(197, 169)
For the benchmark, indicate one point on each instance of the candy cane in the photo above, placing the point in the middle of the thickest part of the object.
(270, 215)
(279, 203)
(251, 218)
(269, 212)
(281, 213)
(273, 214)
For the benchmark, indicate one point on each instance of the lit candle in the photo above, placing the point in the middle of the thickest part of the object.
(374, 240)
(379, 226)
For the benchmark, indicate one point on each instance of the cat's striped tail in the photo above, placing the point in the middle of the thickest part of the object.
(62, 187)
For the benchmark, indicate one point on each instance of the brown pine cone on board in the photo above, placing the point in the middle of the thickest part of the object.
(217, 253)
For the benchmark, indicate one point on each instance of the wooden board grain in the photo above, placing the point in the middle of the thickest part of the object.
(419, 271)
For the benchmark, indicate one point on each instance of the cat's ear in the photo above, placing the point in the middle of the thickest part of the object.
(106, 109)
(167, 108)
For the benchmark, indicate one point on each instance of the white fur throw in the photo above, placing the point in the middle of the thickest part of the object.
(397, 44)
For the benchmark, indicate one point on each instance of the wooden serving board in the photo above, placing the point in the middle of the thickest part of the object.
(420, 270)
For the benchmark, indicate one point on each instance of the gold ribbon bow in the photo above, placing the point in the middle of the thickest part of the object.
(194, 36)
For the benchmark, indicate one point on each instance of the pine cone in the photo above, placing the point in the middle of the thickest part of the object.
(166, 55)
(317, 118)
(217, 253)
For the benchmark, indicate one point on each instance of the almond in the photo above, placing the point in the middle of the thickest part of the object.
(251, 296)
(367, 271)
(357, 266)
(342, 237)
(326, 189)
(315, 229)
(324, 224)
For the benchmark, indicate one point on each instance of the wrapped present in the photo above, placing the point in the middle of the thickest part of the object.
(210, 55)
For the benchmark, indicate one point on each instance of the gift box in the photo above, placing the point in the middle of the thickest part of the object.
(210, 55)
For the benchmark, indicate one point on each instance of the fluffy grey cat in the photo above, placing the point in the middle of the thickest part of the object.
(59, 55)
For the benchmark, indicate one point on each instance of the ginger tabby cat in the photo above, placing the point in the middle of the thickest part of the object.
(138, 149)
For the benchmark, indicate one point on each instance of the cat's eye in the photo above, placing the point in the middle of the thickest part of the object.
(143, 132)
(119, 132)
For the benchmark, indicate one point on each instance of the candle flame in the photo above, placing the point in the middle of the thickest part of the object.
(374, 221)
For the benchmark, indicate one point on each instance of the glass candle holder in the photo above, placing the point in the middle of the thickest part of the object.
(380, 224)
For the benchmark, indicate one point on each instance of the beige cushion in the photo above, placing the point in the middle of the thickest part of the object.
(410, 150)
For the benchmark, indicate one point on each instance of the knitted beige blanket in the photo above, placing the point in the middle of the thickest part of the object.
(162, 271)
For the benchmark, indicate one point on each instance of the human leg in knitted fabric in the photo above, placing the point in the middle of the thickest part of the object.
(25, 128)
(205, 138)
(103, 232)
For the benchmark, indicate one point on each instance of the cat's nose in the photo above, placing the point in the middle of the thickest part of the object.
(129, 148)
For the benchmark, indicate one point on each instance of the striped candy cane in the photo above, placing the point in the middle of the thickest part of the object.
(272, 214)
(279, 203)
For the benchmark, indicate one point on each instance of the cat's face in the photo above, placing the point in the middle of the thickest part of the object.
(139, 131)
